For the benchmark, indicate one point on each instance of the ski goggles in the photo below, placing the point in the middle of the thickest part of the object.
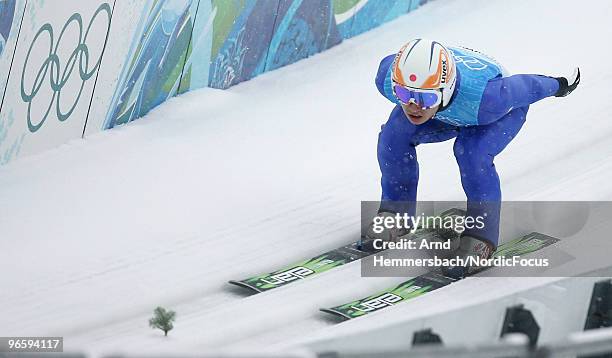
(422, 97)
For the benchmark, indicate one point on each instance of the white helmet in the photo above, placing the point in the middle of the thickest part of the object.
(426, 65)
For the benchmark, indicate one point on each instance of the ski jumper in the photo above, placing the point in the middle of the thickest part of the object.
(487, 110)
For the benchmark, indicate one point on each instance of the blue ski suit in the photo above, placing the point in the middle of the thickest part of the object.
(487, 110)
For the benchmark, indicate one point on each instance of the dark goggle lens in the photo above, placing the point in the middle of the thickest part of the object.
(424, 99)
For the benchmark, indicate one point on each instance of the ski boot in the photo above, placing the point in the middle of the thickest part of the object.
(387, 235)
(469, 247)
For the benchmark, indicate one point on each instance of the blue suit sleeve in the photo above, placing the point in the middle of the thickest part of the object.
(502, 94)
(383, 78)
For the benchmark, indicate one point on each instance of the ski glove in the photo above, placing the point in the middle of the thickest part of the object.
(568, 84)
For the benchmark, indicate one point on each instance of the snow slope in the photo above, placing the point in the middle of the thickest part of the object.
(217, 185)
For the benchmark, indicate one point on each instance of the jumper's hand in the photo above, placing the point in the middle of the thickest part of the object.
(568, 84)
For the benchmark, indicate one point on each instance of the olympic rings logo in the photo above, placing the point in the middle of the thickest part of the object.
(58, 77)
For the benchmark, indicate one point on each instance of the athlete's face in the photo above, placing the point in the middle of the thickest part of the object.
(416, 114)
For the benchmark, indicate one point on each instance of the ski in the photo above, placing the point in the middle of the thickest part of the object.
(303, 269)
(433, 280)
(321, 263)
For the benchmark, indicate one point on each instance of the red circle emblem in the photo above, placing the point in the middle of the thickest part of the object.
(413, 77)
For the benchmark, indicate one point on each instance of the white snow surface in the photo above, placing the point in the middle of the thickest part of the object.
(218, 185)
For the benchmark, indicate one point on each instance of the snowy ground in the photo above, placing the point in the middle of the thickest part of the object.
(218, 185)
